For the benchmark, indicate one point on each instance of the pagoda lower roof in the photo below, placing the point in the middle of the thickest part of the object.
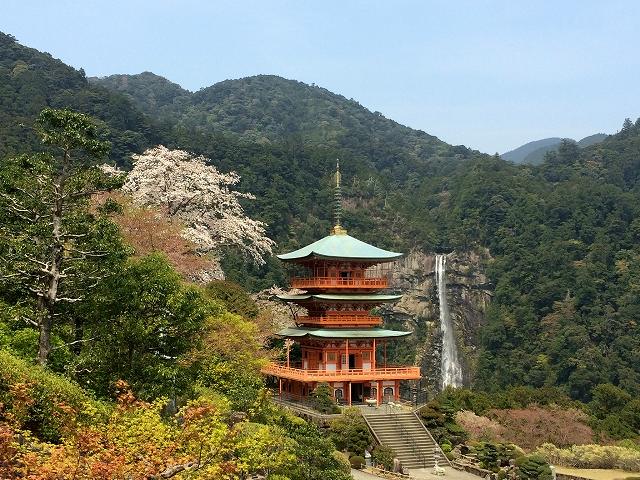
(341, 247)
(297, 332)
(340, 297)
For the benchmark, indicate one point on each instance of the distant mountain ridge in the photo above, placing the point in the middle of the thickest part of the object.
(269, 109)
(533, 153)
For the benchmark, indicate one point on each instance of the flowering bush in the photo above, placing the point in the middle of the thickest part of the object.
(480, 428)
(200, 196)
(533, 426)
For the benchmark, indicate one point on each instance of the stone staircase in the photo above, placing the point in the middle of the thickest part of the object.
(405, 433)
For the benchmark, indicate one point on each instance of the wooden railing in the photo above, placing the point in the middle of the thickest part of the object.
(341, 320)
(339, 282)
(357, 374)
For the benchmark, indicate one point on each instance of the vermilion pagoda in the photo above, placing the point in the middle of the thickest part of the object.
(341, 343)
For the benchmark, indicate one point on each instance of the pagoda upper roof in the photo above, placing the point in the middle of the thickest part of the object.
(341, 247)
(344, 297)
(341, 332)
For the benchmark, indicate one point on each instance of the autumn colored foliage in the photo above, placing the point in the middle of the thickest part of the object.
(149, 230)
(138, 441)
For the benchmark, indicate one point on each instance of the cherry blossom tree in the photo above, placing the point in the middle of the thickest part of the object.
(201, 197)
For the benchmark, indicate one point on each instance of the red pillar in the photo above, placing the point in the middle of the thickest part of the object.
(347, 352)
(379, 392)
(373, 358)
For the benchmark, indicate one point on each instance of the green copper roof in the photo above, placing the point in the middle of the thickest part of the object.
(341, 332)
(341, 246)
(340, 297)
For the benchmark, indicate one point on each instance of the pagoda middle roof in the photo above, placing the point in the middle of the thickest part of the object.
(341, 332)
(345, 297)
(343, 247)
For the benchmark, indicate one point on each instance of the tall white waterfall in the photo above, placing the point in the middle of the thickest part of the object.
(451, 370)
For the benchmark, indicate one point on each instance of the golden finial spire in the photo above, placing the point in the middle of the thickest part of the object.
(337, 229)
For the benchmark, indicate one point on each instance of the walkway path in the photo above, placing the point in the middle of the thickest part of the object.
(422, 474)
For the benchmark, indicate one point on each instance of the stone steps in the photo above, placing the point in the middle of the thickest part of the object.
(404, 432)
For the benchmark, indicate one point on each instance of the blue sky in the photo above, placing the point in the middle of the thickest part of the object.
(491, 75)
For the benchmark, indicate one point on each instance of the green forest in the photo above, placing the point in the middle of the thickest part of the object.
(108, 351)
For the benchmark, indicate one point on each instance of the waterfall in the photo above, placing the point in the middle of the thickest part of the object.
(450, 369)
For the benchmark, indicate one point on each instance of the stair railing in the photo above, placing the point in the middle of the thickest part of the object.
(439, 451)
(417, 452)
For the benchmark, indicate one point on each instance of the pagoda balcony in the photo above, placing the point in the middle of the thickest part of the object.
(337, 320)
(372, 283)
(280, 370)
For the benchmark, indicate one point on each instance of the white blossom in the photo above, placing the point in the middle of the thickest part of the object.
(111, 170)
(200, 196)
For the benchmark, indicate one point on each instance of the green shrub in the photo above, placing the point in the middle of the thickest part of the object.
(41, 401)
(356, 462)
(322, 400)
(592, 456)
(628, 443)
(533, 467)
(383, 455)
(350, 433)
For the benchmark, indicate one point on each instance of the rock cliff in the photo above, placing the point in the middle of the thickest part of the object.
(468, 295)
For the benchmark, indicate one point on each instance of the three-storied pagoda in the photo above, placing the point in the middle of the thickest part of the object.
(341, 343)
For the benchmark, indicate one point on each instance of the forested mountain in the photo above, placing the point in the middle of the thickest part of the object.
(517, 155)
(565, 240)
(266, 109)
(31, 80)
(563, 235)
(153, 94)
(533, 153)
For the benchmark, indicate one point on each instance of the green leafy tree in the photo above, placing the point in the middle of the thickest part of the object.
(383, 455)
(233, 297)
(52, 248)
(141, 323)
(350, 433)
(322, 400)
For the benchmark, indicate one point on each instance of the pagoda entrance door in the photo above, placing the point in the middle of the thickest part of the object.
(352, 361)
(356, 393)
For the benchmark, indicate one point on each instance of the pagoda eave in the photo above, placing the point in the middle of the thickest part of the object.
(341, 333)
(340, 297)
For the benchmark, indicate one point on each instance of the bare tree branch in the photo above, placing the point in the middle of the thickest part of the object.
(75, 342)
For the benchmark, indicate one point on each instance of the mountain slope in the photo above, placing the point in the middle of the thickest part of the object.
(592, 140)
(31, 80)
(517, 155)
(267, 109)
(533, 153)
(153, 94)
